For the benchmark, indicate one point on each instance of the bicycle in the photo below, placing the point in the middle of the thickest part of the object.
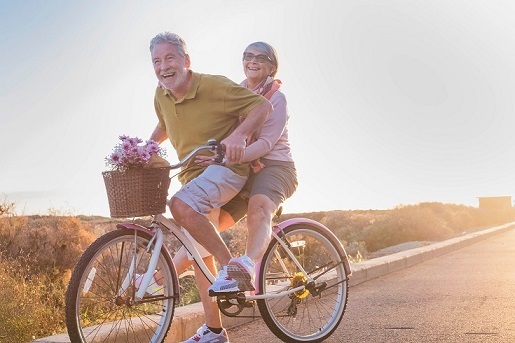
(116, 295)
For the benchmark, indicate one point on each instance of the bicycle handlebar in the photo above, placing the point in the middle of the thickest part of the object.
(212, 145)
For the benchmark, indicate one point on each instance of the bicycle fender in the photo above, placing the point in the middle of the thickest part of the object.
(292, 221)
(330, 234)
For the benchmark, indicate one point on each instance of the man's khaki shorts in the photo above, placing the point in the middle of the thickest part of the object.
(208, 191)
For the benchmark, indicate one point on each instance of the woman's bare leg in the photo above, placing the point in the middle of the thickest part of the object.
(259, 224)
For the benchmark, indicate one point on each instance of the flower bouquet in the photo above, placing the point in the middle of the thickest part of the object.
(137, 184)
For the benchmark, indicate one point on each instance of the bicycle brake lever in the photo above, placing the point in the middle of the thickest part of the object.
(220, 154)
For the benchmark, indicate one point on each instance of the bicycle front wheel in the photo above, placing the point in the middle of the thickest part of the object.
(101, 305)
(313, 313)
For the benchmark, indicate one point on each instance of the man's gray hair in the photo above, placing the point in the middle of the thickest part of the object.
(172, 38)
(269, 51)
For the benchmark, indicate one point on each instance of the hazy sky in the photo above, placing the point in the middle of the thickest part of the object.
(391, 102)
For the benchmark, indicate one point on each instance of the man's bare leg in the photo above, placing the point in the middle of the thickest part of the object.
(201, 229)
(212, 314)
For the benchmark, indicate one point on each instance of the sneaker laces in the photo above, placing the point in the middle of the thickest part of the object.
(201, 330)
(222, 274)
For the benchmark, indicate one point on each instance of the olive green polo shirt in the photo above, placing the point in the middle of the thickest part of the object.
(211, 109)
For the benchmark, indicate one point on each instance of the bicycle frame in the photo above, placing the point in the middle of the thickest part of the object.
(275, 234)
(188, 245)
(158, 222)
(161, 221)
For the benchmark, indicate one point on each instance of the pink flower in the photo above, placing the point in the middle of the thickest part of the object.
(144, 155)
(116, 157)
(152, 146)
(126, 145)
(134, 141)
(129, 154)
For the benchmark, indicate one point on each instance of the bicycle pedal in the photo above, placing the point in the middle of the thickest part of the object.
(217, 294)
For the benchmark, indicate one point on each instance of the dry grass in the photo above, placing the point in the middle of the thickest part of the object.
(37, 253)
(31, 303)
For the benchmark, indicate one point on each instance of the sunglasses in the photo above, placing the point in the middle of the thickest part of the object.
(247, 56)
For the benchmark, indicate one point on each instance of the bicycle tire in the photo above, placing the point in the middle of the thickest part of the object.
(301, 316)
(95, 312)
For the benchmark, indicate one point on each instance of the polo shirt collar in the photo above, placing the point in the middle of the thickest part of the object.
(195, 83)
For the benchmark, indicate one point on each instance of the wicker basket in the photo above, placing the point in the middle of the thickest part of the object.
(137, 192)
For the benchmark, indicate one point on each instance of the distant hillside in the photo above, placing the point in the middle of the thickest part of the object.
(370, 230)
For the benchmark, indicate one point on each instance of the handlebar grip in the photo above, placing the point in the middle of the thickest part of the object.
(220, 150)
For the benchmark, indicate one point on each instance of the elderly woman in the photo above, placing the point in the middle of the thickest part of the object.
(273, 179)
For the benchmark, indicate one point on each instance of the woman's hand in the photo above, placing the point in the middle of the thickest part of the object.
(257, 165)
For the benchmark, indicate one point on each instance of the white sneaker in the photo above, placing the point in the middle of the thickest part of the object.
(205, 335)
(153, 288)
(223, 283)
(242, 270)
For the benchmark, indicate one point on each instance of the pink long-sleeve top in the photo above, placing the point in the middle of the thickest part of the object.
(273, 143)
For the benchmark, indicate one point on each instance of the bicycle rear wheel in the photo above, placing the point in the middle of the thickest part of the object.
(304, 316)
(101, 308)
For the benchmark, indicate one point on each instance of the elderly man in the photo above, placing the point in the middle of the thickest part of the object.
(192, 108)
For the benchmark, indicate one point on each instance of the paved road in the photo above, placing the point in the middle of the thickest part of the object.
(464, 296)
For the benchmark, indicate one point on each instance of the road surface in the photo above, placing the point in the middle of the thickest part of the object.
(464, 296)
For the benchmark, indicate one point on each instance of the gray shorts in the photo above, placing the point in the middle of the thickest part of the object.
(278, 181)
(208, 192)
(211, 189)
